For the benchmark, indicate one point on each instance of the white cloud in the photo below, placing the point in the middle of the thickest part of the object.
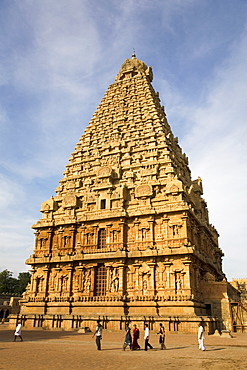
(57, 59)
(216, 145)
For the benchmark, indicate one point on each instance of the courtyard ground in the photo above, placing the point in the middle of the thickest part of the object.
(50, 350)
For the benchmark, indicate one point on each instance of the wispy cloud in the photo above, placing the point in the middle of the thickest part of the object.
(57, 60)
(216, 143)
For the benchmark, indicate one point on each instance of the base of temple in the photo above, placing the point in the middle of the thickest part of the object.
(176, 324)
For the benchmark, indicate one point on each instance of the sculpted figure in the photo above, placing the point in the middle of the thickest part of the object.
(88, 280)
(115, 281)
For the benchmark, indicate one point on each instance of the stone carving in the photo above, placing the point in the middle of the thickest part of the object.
(114, 279)
(174, 186)
(143, 190)
(63, 282)
(49, 205)
(161, 275)
(54, 281)
(69, 201)
(104, 172)
(87, 281)
(39, 284)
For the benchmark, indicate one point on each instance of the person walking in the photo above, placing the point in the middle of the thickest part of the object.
(162, 336)
(98, 335)
(18, 332)
(146, 338)
(201, 337)
(128, 338)
(136, 336)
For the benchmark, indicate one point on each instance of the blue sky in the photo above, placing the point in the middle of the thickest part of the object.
(57, 60)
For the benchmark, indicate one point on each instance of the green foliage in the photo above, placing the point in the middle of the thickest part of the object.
(11, 285)
(24, 279)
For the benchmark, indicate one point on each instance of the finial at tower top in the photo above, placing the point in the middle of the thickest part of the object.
(132, 67)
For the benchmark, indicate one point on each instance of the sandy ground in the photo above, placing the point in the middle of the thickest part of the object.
(69, 350)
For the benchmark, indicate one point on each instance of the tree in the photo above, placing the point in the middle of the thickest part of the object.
(11, 285)
(7, 282)
(23, 279)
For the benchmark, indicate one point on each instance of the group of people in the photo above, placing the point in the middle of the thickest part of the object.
(131, 340)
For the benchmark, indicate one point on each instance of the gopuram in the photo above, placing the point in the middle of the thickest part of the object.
(127, 238)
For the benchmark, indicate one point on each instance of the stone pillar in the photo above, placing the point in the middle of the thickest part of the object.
(73, 232)
(93, 277)
(57, 283)
(166, 220)
(187, 284)
(152, 278)
(32, 283)
(36, 233)
(151, 225)
(184, 232)
(83, 239)
(50, 237)
(108, 278)
(70, 271)
(136, 230)
(168, 274)
(137, 278)
(122, 236)
(46, 270)
(60, 233)
(95, 237)
(121, 278)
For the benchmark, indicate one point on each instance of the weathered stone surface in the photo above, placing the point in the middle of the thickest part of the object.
(127, 237)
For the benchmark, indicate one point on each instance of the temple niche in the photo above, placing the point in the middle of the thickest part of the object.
(127, 237)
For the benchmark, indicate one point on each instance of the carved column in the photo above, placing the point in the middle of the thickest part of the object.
(50, 237)
(136, 230)
(83, 238)
(57, 282)
(108, 278)
(187, 283)
(137, 278)
(95, 236)
(70, 271)
(121, 278)
(168, 274)
(46, 270)
(165, 229)
(184, 233)
(152, 278)
(36, 233)
(92, 280)
(32, 283)
(122, 237)
(151, 225)
(73, 231)
(80, 270)
(108, 235)
(60, 233)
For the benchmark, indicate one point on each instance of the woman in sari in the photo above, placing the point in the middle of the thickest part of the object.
(128, 338)
(136, 335)
(162, 335)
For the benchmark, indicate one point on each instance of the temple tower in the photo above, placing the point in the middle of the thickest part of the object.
(127, 237)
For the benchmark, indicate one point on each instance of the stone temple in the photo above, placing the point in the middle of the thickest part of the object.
(127, 238)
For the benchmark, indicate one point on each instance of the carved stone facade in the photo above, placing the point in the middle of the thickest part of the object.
(127, 237)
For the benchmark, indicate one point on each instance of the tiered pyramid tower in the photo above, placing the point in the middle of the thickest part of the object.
(127, 237)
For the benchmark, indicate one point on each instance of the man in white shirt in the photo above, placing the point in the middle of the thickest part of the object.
(201, 337)
(18, 332)
(98, 334)
(146, 338)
